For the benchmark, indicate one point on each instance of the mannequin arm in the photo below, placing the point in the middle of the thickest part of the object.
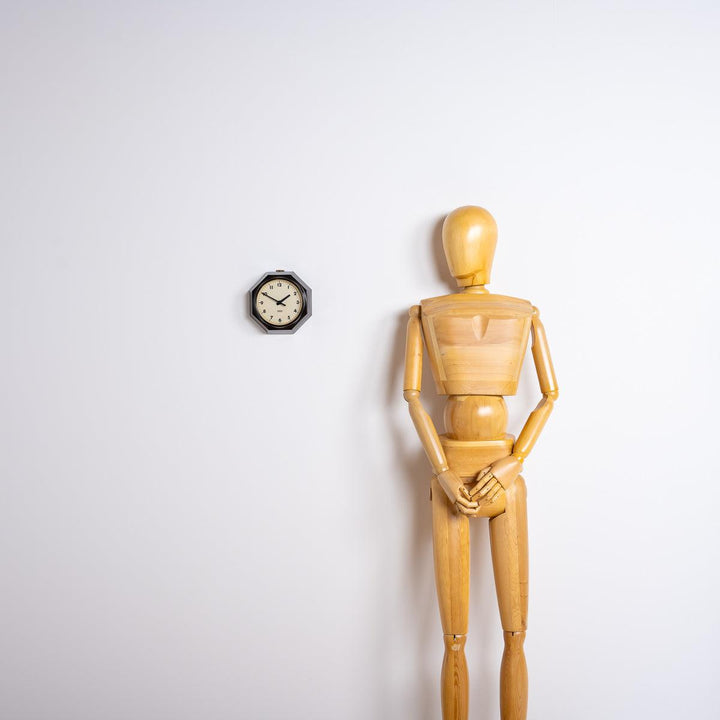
(548, 386)
(411, 391)
(450, 482)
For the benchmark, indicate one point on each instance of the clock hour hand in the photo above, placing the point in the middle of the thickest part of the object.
(278, 302)
(282, 302)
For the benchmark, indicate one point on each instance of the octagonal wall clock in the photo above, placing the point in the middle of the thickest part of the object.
(280, 302)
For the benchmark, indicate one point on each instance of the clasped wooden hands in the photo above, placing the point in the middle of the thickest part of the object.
(476, 342)
(489, 483)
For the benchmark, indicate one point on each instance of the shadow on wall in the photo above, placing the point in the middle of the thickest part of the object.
(416, 581)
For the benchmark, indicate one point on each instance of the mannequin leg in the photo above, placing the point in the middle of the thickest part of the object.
(451, 551)
(509, 546)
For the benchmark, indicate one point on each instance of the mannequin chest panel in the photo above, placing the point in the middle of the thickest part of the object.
(476, 343)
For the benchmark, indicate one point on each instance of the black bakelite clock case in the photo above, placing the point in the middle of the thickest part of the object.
(303, 315)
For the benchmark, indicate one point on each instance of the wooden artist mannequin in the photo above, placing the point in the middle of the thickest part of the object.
(476, 342)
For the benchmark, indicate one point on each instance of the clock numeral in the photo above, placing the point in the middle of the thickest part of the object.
(295, 310)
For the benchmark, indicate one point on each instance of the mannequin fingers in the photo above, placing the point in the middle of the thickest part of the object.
(483, 474)
(470, 512)
(469, 504)
(484, 489)
(495, 493)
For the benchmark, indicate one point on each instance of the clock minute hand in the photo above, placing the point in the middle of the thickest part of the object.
(279, 302)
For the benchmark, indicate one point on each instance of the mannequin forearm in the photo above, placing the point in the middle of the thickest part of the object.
(426, 431)
(533, 427)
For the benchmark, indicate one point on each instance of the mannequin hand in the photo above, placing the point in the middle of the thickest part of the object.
(457, 492)
(494, 479)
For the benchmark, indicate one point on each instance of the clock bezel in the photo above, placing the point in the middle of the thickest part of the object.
(303, 315)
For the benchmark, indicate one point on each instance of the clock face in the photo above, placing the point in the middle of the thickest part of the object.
(279, 302)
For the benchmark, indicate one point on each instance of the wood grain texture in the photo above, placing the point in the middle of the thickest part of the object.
(476, 342)
(468, 417)
(509, 549)
(454, 679)
(468, 457)
(513, 678)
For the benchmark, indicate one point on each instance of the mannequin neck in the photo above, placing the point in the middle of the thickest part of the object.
(476, 289)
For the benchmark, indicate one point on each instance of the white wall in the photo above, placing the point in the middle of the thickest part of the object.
(201, 521)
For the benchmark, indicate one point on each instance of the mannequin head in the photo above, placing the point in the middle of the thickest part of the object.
(469, 236)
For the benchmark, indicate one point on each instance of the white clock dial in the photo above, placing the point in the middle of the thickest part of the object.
(279, 302)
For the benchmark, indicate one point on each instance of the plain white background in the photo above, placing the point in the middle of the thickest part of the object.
(198, 520)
